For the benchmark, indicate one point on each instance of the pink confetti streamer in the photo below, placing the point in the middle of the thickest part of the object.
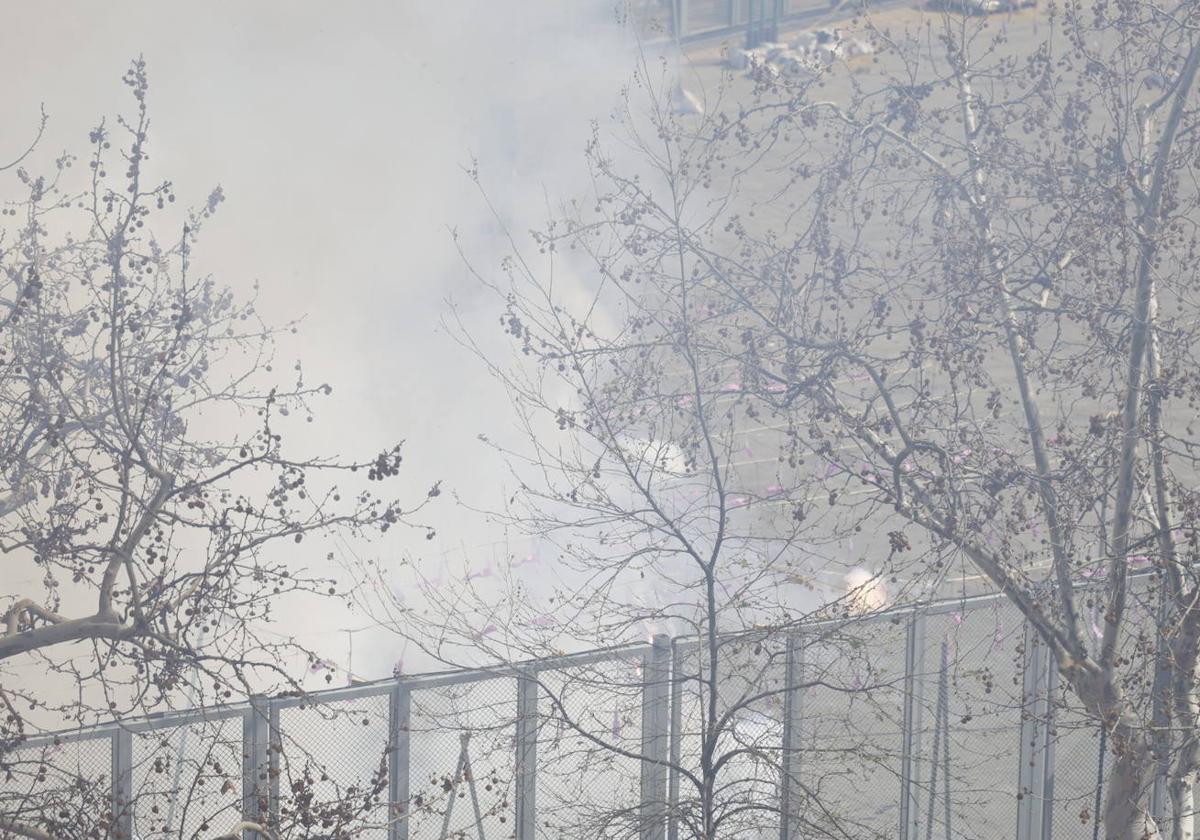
(486, 631)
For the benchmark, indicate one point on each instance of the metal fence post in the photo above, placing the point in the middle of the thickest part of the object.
(122, 784)
(399, 724)
(793, 700)
(910, 750)
(526, 767)
(274, 763)
(776, 14)
(655, 718)
(681, 19)
(1031, 772)
(256, 764)
(1158, 792)
(1048, 807)
(676, 745)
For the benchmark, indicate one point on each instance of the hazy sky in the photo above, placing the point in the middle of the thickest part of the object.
(338, 132)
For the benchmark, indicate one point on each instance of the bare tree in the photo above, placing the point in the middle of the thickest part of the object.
(150, 507)
(971, 290)
(957, 280)
(650, 497)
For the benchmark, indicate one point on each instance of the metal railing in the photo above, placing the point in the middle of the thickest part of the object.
(690, 21)
(914, 723)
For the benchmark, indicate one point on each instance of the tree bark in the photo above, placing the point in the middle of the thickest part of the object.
(1132, 773)
(99, 626)
(1132, 770)
(1183, 817)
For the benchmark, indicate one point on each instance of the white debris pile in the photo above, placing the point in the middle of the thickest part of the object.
(805, 55)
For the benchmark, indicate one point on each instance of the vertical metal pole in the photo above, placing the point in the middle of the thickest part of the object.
(681, 19)
(274, 763)
(753, 23)
(656, 667)
(122, 784)
(910, 749)
(526, 768)
(256, 764)
(793, 700)
(676, 746)
(1031, 770)
(773, 26)
(399, 724)
(1158, 792)
(1048, 807)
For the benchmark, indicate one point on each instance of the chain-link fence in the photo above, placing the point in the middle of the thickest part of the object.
(186, 778)
(63, 783)
(942, 722)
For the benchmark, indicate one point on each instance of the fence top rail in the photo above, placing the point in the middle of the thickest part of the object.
(440, 679)
(374, 688)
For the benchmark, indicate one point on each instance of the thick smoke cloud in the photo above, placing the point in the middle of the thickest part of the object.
(340, 135)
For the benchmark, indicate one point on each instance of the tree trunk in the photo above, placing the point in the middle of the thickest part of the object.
(1128, 788)
(1183, 809)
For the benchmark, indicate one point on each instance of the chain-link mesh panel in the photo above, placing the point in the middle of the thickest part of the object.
(850, 710)
(187, 780)
(1076, 745)
(332, 770)
(462, 760)
(63, 789)
(973, 672)
(589, 737)
(746, 733)
(841, 773)
(752, 695)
